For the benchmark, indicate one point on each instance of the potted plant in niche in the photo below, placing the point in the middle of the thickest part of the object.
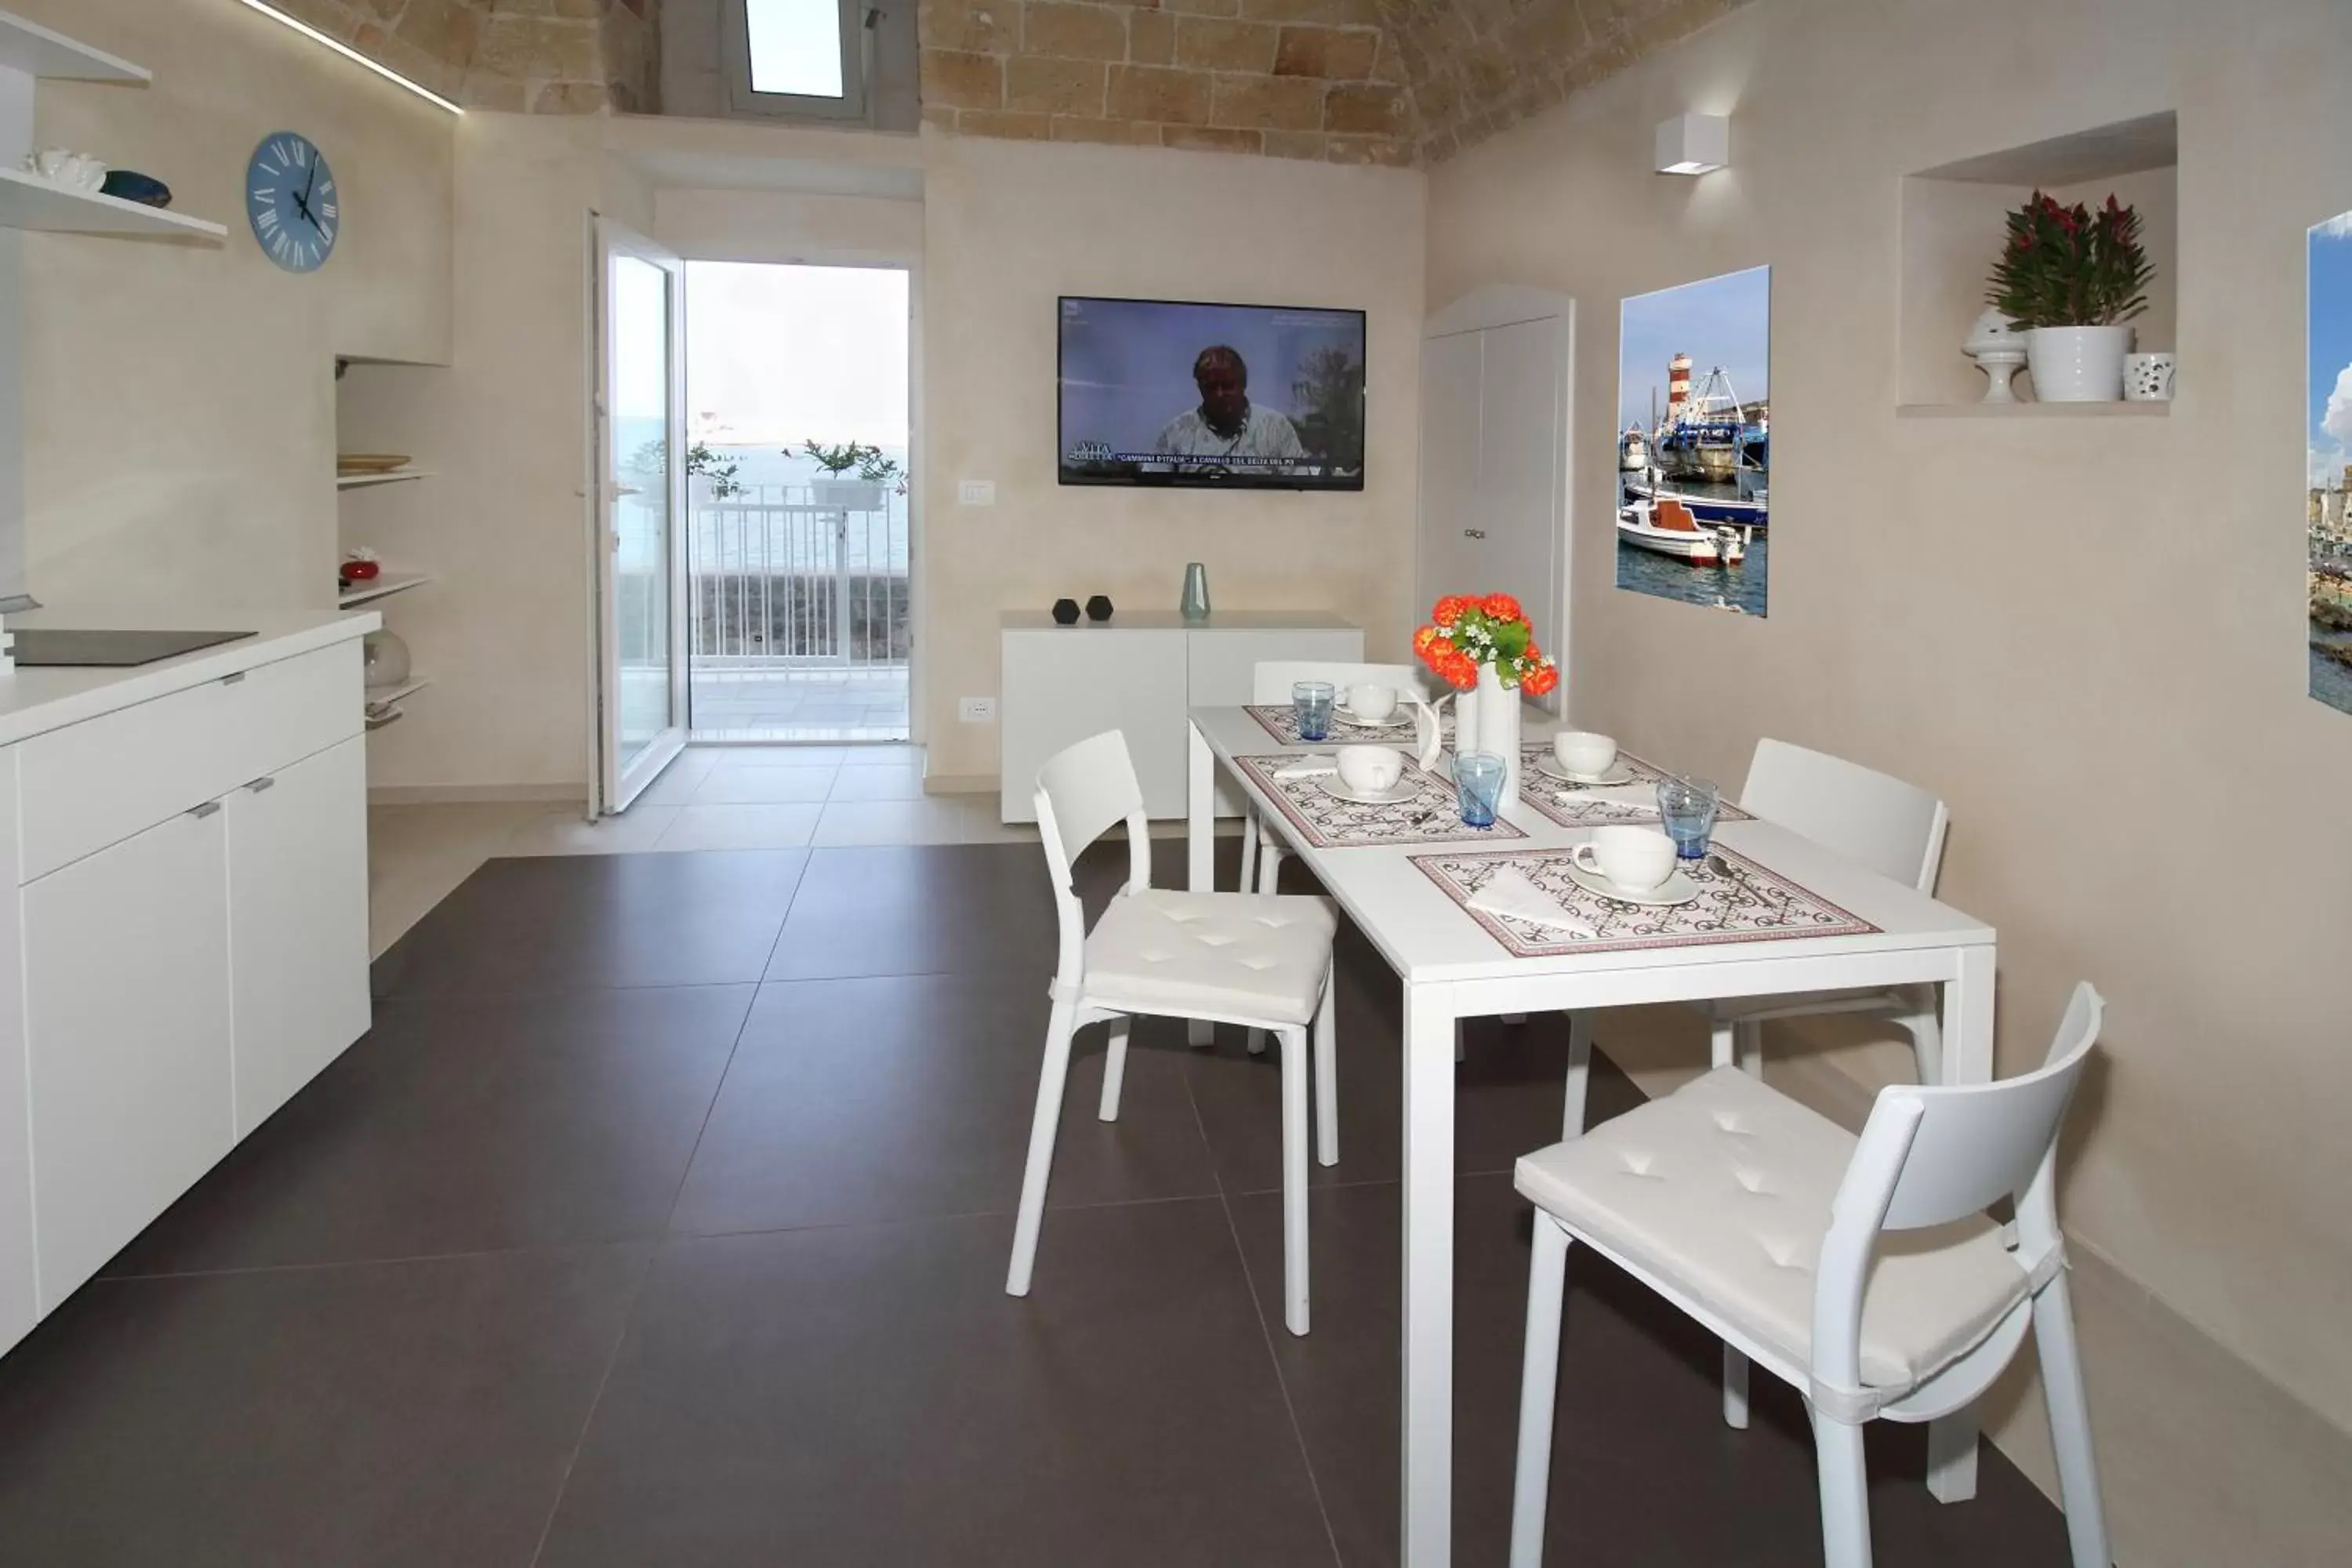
(2071, 277)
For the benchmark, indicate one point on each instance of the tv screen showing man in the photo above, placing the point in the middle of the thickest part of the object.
(1154, 391)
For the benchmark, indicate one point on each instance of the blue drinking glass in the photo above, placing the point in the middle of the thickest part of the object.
(1478, 785)
(1310, 703)
(1687, 807)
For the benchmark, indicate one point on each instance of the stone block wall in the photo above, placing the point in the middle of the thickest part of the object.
(538, 56)
(1286, 78)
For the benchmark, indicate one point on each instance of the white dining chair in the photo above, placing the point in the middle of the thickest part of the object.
(1863, 1271)
(1230, 958)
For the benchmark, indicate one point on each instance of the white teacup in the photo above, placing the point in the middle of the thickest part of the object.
(51, 162)
(85, 173)
(1371, 770)
(1374, 703)
(1635, 858)
(1583, 752)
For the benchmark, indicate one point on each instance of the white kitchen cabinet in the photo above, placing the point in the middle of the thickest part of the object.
(1495, 455)
(127, 1014)
(182, 928)
(1136, 674)
(298, 936)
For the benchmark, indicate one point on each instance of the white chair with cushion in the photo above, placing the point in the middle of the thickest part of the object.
(1863, 1271)
(1229, 958)
(1874, 820)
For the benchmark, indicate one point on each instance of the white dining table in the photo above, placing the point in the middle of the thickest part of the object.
(1452, 968)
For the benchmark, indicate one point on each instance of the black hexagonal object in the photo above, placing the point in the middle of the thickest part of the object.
(1098, 607)
(1066, 612)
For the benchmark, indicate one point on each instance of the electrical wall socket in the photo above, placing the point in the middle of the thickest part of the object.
(976, 710)
(975, 493)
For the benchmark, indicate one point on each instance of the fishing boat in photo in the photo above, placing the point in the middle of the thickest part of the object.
(1708, 433)
(1668, 529)
(1749, 508)
(1634, 451)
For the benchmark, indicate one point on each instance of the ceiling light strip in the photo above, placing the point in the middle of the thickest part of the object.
(350, 52)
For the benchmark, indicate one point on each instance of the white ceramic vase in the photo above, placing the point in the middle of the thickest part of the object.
(1498, 714)
(2078, 364)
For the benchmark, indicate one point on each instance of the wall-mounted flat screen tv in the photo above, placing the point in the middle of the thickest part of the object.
(1154, 391)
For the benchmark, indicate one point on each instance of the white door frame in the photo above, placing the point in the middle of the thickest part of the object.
(612, 786)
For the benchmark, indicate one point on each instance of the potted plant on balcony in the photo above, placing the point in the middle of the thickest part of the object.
(864, 493)
(2070, 279)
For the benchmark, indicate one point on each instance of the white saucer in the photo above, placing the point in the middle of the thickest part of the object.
(1403, 789)
(1400, 718)
(1677, 888)
(1619, 773)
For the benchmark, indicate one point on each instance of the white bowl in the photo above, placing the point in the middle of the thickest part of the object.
(1583, 752)
(1373, 702)
(1370, 769)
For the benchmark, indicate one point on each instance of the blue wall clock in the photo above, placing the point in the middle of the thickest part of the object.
(289, 195)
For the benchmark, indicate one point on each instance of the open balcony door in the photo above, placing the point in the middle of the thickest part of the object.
(640, 502)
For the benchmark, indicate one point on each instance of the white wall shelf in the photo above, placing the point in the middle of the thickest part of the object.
(363, 482)
(2033, 410)
(409, 687)
(379, 586)
(36, 50)
(28, 201)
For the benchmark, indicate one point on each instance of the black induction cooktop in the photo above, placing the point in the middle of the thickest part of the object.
(38, 647)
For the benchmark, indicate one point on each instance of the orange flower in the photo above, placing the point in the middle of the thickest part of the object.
(1541, 681)
(1503, 607)
(1423, 638)
(1449, 609)
(1440, 647)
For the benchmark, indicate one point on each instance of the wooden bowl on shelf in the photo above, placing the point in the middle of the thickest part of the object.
(370, 462)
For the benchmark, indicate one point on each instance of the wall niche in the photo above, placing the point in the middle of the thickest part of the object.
(1952, 228)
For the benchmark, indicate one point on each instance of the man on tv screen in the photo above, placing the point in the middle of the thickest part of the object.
(1226, 424)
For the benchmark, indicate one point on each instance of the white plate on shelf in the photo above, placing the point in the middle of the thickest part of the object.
(1619, 773)
(1403, 789)
(1400, 718)
(1677, 888)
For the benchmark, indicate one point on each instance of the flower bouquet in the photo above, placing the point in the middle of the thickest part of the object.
(1486, 649)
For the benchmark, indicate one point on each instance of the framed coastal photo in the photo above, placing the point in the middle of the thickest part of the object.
(1693, 442)
(2328, 461)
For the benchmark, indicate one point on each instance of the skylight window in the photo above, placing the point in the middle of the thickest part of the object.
(795, 57)
(795, 45)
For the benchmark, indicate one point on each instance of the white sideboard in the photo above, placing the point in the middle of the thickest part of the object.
(182, 928)
(1136, 673)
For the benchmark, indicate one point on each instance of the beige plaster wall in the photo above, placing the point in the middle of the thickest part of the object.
(179, 414)
(2075, 630)
(1012, 227)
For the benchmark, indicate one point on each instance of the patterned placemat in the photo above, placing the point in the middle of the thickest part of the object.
(1752, 904)
(1432, 816)
(1591, 806)
(1282, 722)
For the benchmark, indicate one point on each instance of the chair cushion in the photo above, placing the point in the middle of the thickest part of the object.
(1241, 955)
(1722, 1191)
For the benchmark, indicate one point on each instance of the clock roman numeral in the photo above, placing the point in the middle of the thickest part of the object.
(267, 220)
(326, 209)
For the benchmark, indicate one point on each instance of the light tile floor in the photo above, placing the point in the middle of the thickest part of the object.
(868, 704)
(712, 798)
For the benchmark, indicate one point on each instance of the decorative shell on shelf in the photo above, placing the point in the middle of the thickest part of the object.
(1993, 334)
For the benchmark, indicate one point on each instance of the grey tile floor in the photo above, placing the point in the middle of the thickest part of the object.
(662, 1220)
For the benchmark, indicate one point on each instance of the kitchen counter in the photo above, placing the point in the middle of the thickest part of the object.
(34, 701)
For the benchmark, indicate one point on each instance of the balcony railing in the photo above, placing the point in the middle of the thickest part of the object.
(784, 576)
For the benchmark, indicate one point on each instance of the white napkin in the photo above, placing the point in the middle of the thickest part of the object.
(1308, 768)
(1618, 794)
(1509, 892)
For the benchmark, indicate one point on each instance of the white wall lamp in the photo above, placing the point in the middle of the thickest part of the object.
(1695, 144)
(350, 52)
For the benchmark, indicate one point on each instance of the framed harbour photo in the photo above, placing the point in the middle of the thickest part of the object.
(1693, 442)
(2328, 460)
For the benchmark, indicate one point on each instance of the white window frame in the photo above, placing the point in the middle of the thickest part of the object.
(735, 61)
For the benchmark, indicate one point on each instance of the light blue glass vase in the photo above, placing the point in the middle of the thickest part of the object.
(1194, 605)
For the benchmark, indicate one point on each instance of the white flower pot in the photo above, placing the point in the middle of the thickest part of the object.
(2077, 365)
(865, 495)
(1498, 728)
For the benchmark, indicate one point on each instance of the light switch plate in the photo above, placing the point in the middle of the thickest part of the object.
(976, 710)
(976, 492)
